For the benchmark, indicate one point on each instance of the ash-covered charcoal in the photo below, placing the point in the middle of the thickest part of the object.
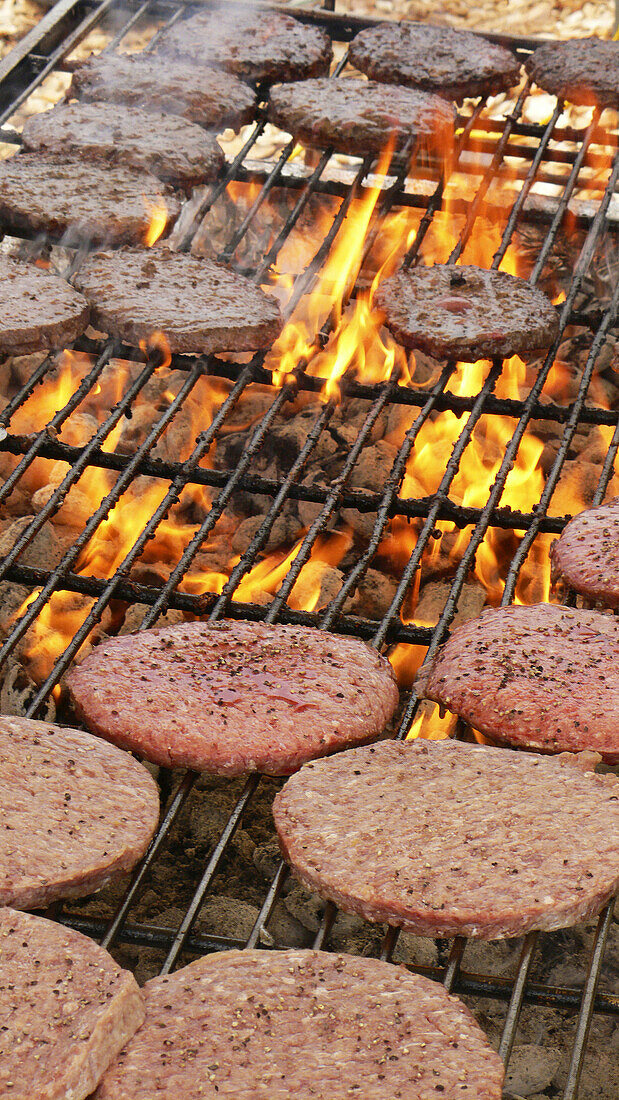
(361, 116)
(583, 70)
(37, 309)
(66, 1009)
(451, 62)
(541, 677)
(443, 839)
(302, 1023)
(107, 204)
(234, 697)
(586, 556)
(212, 98)
(173, 149)
(75, 812)
(466, 312)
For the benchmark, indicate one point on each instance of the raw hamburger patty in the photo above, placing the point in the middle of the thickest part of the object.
(210, 97)
(75, 812)
(234, 697)
(66, 1009)
(587, 554)
(201, 306)
(171, 148)
(540, 677)
(446, 839)
(584, 70)
(304, 1024)
(37, 310)
(54, 195)
(439, 59)
(359, 116)
(466, 312)
(264, 46)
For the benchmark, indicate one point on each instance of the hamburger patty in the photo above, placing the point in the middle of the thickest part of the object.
(466, 312)
(210, 97)
(439, 59)
(108, 203)
(308, 1024)
(583, 70)
(360, 116)
(37, 310)
(66, 1009)
(540, 677)
(586, 555)
(201, 306)
(269, 47)
(173, 149)
(75, 812)
(446, 839)
(234, 697)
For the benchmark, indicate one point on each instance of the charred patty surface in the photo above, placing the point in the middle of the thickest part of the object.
(173, 149)
(268, 46)
(201, 306)
(234, 697)
(540, 677)
(66, 1009)
(360, 116)
(466, 312)
(107, 204)
(583, 70)
(208, 96)
(75, 811)
(37, 310)
(445, 839)
(586, 556)
(439, 59)
(309, 1024)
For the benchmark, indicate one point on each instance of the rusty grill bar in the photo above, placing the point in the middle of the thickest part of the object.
(44, 50)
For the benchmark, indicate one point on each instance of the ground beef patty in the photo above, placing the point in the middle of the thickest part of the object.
(264, 46)
(305, 1024)
(446, 839)
(360, 116)
(541, 677)
(66, 1009)
(466, 312)
(37, 310)
(173, 149)
(108, 203)
(234, 697)
(210, 97)
(586, 556)
(201, 306)
(438, 59)
(583, 70)
(75, 812)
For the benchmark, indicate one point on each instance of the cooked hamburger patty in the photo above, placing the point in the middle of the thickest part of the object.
(201, 306)
(446, 839)
(75, 812)
(466, 312)
(587, 554)
(360, 116)
(37, 310)
(234, 697)
(272, 47)
(171, 148)
(108, 203)
(439, 59)
(66, 1009)
(540, 677)
(308, 1024)
(210, 97)
(583, 70)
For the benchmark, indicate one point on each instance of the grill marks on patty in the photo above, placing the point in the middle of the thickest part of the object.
(253, 1024)
(37, 310)
(586, 555)
(583, 70)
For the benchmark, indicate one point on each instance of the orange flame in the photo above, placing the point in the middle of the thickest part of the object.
(158, 214)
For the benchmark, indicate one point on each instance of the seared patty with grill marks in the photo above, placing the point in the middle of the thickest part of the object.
(583, 70)
(586, 556)
(37, 309)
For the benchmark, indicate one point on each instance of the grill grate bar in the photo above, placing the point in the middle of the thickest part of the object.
(588, 997)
